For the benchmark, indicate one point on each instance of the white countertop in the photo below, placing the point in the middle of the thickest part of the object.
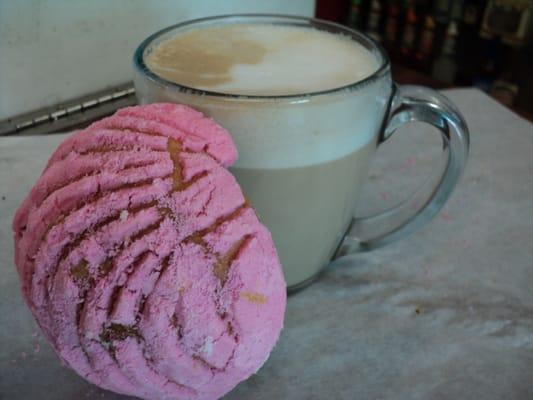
(444, 314)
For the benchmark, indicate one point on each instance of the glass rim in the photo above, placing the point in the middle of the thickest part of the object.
(142, 68)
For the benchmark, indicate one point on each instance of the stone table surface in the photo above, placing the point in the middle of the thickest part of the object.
(446, 313)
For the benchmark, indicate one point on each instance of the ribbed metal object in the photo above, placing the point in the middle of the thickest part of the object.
(71, 114)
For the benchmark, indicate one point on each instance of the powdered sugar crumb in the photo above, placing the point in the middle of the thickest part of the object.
(207, 347)
(124, 215)
(90, 335)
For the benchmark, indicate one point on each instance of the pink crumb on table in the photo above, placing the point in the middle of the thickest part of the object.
(411, 162)
(446, 216)
(464, 243)
(145, 266)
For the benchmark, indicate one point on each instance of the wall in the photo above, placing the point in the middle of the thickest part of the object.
(54, 50)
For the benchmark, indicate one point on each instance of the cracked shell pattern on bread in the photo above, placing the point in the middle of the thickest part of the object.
(143, 263)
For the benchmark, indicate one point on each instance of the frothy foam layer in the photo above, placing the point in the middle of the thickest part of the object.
(261, 60)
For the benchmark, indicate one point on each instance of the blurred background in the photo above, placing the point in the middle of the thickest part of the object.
(487, 44)
(52, 51)
(66, 62)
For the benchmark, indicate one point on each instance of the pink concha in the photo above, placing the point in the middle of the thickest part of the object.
(142, 261)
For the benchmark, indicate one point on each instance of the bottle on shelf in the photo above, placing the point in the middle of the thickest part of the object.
(470, 46)
(407, 44)
(374, 19)
(489, 63)
(456, 10)
(425, 50)
(472, 13)
(391, 26)
(355, 17)
(445, 67)
(441, 12)
(441, 16)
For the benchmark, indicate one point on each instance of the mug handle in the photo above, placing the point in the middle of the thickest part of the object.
(414, 103)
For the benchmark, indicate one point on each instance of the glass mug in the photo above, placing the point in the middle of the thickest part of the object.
(303, 158)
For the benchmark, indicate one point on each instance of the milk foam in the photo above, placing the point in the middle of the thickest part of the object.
(277, 133)
(261, 60)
